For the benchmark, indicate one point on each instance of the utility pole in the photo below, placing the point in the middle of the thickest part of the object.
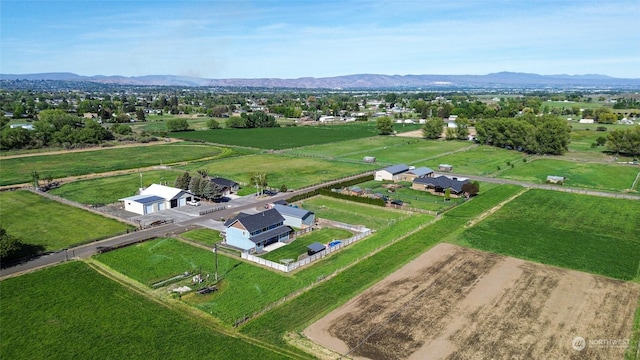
(215, 249)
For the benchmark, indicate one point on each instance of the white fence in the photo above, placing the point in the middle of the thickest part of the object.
(310, 259)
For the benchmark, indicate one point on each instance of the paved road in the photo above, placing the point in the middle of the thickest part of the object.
(234, 206)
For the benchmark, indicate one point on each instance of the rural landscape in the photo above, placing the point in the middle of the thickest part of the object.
(539, 248)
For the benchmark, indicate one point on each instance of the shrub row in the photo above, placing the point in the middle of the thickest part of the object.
(328, 188)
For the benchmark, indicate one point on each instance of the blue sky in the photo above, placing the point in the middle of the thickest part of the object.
(292, 39)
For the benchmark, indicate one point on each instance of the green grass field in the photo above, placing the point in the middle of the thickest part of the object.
(108, 190)
(480, 160)
(203, 236)
(299, 246)
(282, 138)
(45, 223)
(373, 217)
(386, 149)
(18, 170)
(592, 234)
(610, 177)
(72, 312)
(291, 171)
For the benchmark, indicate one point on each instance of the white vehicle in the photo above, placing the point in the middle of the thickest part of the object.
(193, 203)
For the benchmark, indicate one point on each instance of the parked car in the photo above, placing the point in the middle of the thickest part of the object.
(193, 203)
(397, 202)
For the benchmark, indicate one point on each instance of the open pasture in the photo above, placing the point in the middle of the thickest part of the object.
(299, 246)
(386, 149)
(49, 225)
(244, 290)
(71, 311)
(371, 216)
(479, 160)
(294, 172)
(587, 233)
(412, 198)
(610, 177)
(455, 302)
(282, 138)
(18, 170)
(107, 190)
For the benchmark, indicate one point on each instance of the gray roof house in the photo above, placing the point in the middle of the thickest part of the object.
(438, 185)
(251, 233)
(296, 217)
(416, 173)
(228, 186)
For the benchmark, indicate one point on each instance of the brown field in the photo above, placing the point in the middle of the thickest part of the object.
(459, 303)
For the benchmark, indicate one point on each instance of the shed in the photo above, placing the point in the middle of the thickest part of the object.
(369, 159)
(315, 248)
(552, 179)
(445, 167)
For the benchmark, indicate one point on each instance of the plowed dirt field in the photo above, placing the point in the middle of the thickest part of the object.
(458, 303)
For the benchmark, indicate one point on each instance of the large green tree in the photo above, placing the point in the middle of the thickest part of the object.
(432, 129)
(9, 244)
(177, 125)
(384, 125)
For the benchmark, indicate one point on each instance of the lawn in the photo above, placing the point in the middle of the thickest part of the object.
(610, 177)
(373, 217)
(294, 172)
(480, 160)
(284, 137)
(386, 149)
(593, 234)
(107, 190)
(245, 288)
(72, 312)
(49, 225)
(423, 200)
(18, 170)
(203, 236)
(299, 246)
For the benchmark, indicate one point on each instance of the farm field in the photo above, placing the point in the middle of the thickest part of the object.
(282, 138)
(71, 311)
(480, 160)
(371, 216)
(455, 302)
(279, 169)
(299, 246)
(610, 177)
(18, 170)
(107, 190)
(245, 288)
(592, 234)
(47, 225)
(386, 149)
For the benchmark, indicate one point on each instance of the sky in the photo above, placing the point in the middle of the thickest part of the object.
(313, 38)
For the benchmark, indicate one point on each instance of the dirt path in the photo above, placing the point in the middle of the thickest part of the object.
(460, 303)
(97, 148)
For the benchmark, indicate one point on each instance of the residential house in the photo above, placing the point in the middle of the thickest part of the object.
(438, 185)
(391, 173)
(296, 217)
(414, 173)
(228, 186)
(251, 233)
(156, 198)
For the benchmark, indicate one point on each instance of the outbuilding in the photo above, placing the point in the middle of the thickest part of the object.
(156, 198)
(315, 248)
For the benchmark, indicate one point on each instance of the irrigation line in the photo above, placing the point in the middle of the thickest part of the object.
(635, 182)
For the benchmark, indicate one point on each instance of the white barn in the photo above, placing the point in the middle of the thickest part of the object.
(156, 198)
(391, 173)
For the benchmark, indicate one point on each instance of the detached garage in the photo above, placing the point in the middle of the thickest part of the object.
(156, 198)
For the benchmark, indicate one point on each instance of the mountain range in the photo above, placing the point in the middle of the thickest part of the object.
(360, 81)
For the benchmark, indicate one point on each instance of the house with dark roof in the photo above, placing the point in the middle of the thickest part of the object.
(438, 185)
(156, 198)
(228, 186)
(391, 173)
(251, 233)
(296, 217)
(414, 173)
